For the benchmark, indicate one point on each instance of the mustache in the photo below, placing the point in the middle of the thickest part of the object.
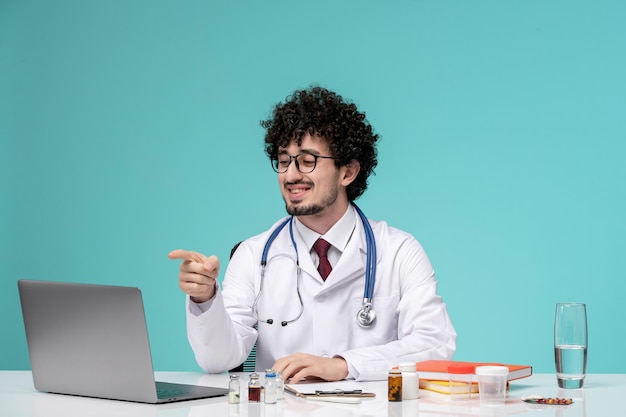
(299, 182)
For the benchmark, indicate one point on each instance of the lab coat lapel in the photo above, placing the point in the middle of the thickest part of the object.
(306, 263)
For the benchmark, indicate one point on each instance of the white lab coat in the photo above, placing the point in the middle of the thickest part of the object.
(412, 323)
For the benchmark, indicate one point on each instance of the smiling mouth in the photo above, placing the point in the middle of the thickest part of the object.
(297, 190)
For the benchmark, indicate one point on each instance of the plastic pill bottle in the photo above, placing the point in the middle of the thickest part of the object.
(410, 381)
(492, 382)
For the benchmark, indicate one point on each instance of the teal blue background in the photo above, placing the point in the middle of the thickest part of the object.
(131, 128)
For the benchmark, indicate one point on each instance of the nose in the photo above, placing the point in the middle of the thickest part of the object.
(292, 174)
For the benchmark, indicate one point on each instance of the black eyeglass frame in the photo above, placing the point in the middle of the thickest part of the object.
(294, 158)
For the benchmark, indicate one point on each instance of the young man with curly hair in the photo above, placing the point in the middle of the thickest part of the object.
(307, 311)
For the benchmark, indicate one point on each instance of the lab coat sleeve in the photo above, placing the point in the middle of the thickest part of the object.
(221, 333)
(211, 335)
(424, 327)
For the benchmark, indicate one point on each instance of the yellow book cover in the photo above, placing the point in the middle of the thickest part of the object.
(443, 387)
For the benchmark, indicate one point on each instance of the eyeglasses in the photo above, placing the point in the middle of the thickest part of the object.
(305, 162)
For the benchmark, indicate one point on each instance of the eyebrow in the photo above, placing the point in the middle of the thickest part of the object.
(307, 151)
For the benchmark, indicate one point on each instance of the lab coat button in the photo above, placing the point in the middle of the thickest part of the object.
(324, 355)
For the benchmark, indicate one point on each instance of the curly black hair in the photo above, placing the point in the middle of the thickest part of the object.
(323, 113)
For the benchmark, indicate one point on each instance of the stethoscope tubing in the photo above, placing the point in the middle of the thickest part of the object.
(370, 270)
(366, 315)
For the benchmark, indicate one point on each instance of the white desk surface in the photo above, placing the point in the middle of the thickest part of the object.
(602, 395)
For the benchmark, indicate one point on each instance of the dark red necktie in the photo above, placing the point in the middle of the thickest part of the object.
(321, 247)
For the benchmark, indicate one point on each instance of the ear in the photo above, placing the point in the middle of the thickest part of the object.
(350, 171)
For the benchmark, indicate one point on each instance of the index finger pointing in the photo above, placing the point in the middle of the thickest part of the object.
(187, 255)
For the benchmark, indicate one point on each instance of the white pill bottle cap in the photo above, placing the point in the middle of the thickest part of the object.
(492, 370)
(407, 367)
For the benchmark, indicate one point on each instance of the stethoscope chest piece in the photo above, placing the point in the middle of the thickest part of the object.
(366, 316)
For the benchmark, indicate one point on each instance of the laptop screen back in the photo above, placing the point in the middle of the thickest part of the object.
(86, 339)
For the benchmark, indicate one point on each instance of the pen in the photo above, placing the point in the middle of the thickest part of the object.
(319, 394)
(338, 392)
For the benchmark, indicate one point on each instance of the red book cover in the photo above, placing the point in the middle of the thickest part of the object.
(438, 369)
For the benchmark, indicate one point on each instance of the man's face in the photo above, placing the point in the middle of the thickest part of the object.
(317, 191)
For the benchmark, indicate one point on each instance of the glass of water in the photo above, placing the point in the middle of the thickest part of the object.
(570, 344)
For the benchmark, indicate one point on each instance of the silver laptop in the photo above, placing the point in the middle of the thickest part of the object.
(91, 340)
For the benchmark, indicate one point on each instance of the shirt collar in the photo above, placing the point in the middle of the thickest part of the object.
(338, 235)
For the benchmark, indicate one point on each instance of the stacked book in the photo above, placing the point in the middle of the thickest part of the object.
(434, 375)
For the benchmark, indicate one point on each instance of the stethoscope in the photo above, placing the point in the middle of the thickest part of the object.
(366, 315)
